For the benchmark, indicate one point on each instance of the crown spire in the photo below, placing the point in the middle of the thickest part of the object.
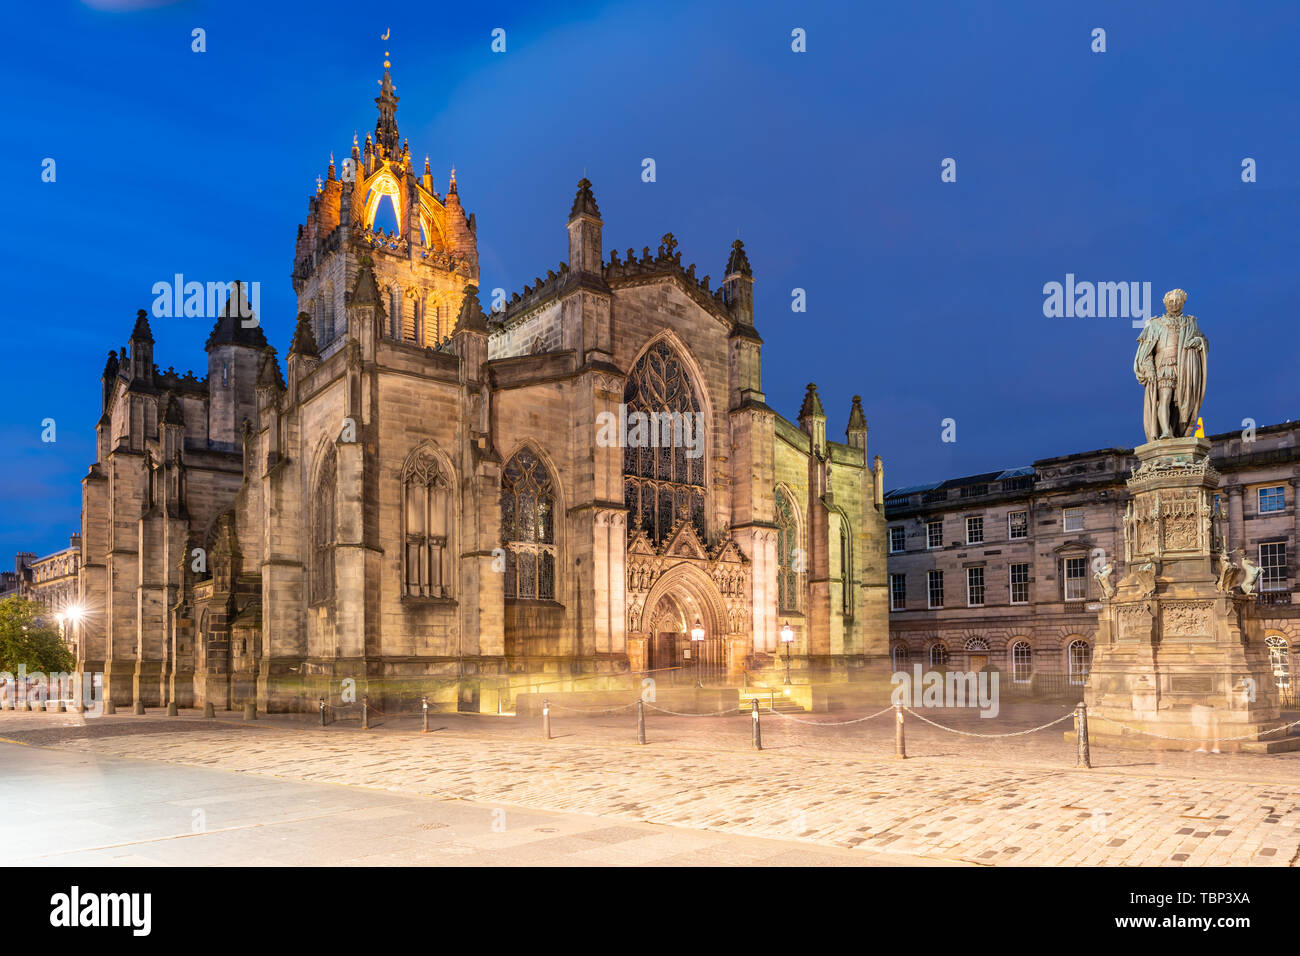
(386, 126)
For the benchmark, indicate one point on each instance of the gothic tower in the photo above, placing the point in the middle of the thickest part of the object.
(422, 267)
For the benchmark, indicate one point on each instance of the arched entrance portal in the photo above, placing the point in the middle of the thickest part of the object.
(682, 596)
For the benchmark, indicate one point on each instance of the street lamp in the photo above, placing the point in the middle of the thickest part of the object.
(787, 638)
(697, 637)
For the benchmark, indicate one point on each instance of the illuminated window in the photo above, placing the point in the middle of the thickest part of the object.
(788, 563)
(663, 484)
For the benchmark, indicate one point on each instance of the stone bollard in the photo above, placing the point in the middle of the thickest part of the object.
(365, 713)
(900, 745)
(546, 717)
(139, 708)
(758, 731)
(424, 704)
(1081, 730)
(250, 710)
(172, 710)
(322, 711)
(110, 707)
(640, 721)
(63, 706)
(209, 710)
(27, 704)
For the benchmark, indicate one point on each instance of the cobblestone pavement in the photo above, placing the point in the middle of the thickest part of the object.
(1012, 800)
(70, 808)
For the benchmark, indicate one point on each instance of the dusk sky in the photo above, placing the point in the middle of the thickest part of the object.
(925, 297)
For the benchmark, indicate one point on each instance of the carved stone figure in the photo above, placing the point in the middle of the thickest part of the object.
(1229, 573)
(1171, 364)
(1103, 580)
(1251, 570)
(1146, 577)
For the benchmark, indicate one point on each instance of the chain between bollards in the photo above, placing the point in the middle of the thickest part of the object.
(365, 713)
(900, 745)
(640, 721)
(546, 717)
(1081, 731)
(758, 731)
(424, 704)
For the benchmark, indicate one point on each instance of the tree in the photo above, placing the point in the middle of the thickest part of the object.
(26, 638)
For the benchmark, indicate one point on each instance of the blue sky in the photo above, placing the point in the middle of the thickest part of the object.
(924, 297)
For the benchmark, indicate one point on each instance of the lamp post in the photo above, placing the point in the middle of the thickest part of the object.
(697, 638)
(787, 638)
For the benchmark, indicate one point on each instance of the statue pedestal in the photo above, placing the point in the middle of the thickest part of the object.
(1178, 663)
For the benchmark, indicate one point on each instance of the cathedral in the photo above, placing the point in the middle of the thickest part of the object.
(424, 497)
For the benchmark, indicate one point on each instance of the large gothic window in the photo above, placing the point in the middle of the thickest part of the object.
(664, 483)
(427, 520)
(846, 572)
(323, 529)
(528, 528)
(789, 556)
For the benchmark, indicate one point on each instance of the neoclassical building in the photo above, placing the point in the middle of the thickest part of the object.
(427, 497)
(997, 569)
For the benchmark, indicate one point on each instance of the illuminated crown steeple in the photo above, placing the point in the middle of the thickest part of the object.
(386, 126)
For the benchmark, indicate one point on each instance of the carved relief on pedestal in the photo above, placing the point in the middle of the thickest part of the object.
(1134, 622)
(1187, 619)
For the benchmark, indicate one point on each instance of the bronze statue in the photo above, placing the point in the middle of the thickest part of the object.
(1171, 363)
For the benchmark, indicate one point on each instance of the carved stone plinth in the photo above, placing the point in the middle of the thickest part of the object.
(1180, 664)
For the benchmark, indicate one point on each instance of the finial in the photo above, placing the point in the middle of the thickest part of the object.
(318, 184)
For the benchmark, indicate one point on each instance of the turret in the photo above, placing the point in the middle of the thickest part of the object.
(812, 419)
(585, 250)
(857, 430)
(234, 350)
(109, 379)
(738, 285)
(141, 343)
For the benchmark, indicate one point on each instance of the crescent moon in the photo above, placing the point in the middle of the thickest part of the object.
(387, 34)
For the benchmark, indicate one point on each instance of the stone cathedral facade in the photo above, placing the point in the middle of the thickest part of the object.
(420, 498)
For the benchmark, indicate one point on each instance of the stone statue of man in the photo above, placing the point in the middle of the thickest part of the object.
(1171, 363)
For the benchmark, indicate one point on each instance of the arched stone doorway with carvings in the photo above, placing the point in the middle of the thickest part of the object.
(682, 598)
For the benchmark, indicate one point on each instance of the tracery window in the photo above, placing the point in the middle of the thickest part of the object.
(528, 528)
(846, 576)
(323, 529)
(426, 499)
(662, 482)
(788, 554)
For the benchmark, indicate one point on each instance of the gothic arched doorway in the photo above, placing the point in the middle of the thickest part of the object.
(681, 599)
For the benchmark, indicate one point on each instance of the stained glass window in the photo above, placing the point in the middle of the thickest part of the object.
(322, 536)
(663, 462)
(788, 563)
(528, 528)
(428, 520)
